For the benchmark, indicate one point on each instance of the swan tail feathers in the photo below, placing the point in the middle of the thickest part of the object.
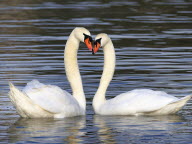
(24, 105)
(188, 97)
(178, 105)
(173, 107)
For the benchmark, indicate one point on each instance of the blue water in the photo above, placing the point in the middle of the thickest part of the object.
(153, 49)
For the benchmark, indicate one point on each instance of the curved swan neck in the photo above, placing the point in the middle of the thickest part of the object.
(107, 75)
(72, 69)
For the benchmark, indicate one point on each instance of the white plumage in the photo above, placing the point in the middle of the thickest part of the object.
(37, 100)
(135, 102)
(139, 102)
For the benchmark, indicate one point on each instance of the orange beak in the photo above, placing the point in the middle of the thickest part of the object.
(96, 47)
(88, 43)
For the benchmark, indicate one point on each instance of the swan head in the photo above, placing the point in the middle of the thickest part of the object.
(84, 35)
(100, 41)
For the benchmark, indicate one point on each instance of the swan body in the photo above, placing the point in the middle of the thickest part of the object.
(135, 102)
(38, 100)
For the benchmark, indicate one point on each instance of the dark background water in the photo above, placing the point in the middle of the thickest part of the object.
(153, 41)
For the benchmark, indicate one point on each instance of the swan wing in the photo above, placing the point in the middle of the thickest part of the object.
(50, 97)
(141, 100)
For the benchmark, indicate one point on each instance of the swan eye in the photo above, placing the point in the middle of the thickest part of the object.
(85, 36)
(99, 40)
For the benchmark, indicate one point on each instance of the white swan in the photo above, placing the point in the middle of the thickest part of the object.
(135, 102)
(38, 100)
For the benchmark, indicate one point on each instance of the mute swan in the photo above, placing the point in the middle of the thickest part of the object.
(135, 102)
(38, 100)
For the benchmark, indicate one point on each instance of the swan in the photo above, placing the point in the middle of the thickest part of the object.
(38, 100)
(134, 102)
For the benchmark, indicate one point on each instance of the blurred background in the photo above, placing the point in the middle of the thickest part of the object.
(153, 49)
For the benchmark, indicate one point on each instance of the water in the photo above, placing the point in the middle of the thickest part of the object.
(153, 48)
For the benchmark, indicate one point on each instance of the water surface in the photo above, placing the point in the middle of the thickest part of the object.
(153, 49)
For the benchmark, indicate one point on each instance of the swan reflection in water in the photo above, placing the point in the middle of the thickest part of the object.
(47, 130)
(108, 129)
(113, 128)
